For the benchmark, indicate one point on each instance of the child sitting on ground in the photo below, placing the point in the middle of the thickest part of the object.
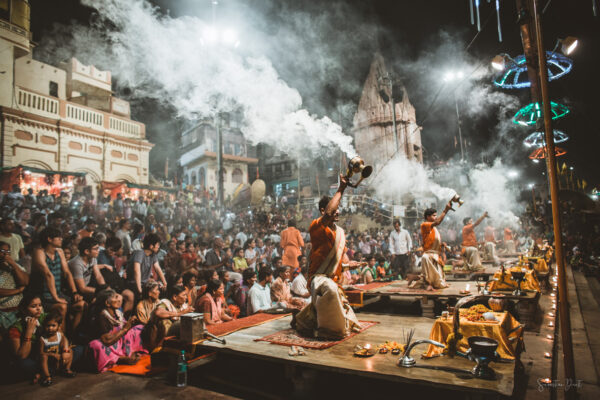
(55, 352)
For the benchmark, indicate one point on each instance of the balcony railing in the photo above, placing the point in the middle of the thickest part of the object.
(47, 106)
(84, 116)
(38, 104)
(123, 127)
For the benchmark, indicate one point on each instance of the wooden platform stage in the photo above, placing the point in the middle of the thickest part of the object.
(525, 306)
(340, 359)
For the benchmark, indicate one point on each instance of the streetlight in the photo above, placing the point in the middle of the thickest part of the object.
(449, 77)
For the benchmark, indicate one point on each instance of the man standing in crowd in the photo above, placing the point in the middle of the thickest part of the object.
(400, 246)
(292, 244)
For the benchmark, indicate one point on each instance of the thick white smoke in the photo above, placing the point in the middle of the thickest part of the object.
(482, 187)
(172, 60)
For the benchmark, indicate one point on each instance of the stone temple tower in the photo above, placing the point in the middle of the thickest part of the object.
(376, 138)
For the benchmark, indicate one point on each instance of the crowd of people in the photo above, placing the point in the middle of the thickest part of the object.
(101, 282)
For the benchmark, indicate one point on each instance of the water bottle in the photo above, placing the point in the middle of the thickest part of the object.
(181, 370)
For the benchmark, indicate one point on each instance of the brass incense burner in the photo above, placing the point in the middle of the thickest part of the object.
(357, 166)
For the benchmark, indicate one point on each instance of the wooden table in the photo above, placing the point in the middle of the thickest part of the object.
(339, 358)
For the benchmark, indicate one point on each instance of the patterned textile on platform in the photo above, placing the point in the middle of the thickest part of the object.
(291, 337)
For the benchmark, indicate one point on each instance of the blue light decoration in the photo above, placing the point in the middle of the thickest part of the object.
(515, 75)
(529, 114)
(537, 139)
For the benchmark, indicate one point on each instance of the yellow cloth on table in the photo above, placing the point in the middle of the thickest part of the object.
(541, 266)
(501, 330)
(539, 263)
(506, 283)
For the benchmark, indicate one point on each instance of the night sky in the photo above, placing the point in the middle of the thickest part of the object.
(408, 30)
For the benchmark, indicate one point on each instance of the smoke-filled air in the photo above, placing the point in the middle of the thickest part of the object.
(174, 61)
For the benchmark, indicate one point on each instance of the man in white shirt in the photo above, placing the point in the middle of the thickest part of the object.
(400, 247)
(298, 287)
(259, 295)
(242, 237)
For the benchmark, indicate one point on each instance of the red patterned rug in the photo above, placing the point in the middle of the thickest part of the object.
(242, 323)
(414, 291)
(368, 286)
(290, 337)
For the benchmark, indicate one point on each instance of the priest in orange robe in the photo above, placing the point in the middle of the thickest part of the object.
(329, 315)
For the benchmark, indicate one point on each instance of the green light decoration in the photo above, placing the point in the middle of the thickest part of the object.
(529, 114)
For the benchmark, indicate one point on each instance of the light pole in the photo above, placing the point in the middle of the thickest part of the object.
(449, 77)
(212, 37)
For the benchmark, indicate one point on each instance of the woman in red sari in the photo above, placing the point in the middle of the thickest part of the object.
(211, 303)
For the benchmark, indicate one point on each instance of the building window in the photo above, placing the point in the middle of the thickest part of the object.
(53, 89)
(237, 176)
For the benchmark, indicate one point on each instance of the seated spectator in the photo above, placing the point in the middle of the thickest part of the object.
(13, 281)
(239, 261)
(188, 280)
(259, 295)
(88, 229)
(164, 320)
(119, 341)
(280, 290)
(112, 276)
(240, 296)
(150, 299)
(299, 285)
(211, 303)
(54, 351)
(7, 235)
(85, 270)
(51, 274)
(143, 263)
(369, 271)
(24, 334)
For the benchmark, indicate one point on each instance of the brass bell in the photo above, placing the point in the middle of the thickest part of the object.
(355, 166)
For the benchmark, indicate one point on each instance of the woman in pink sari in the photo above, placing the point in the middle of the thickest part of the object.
(211, 303)
(281, 293)
(120, 341)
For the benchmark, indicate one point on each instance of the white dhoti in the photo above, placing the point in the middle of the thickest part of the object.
(489, 251)
(329, 315)
(431, 271)
(471, 259)
(510, 247)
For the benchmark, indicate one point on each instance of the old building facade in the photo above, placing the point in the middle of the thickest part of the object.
(199, 154)
(63, 118)
(374, 135)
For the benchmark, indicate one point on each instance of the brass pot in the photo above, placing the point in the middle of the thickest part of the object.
(497, 304)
